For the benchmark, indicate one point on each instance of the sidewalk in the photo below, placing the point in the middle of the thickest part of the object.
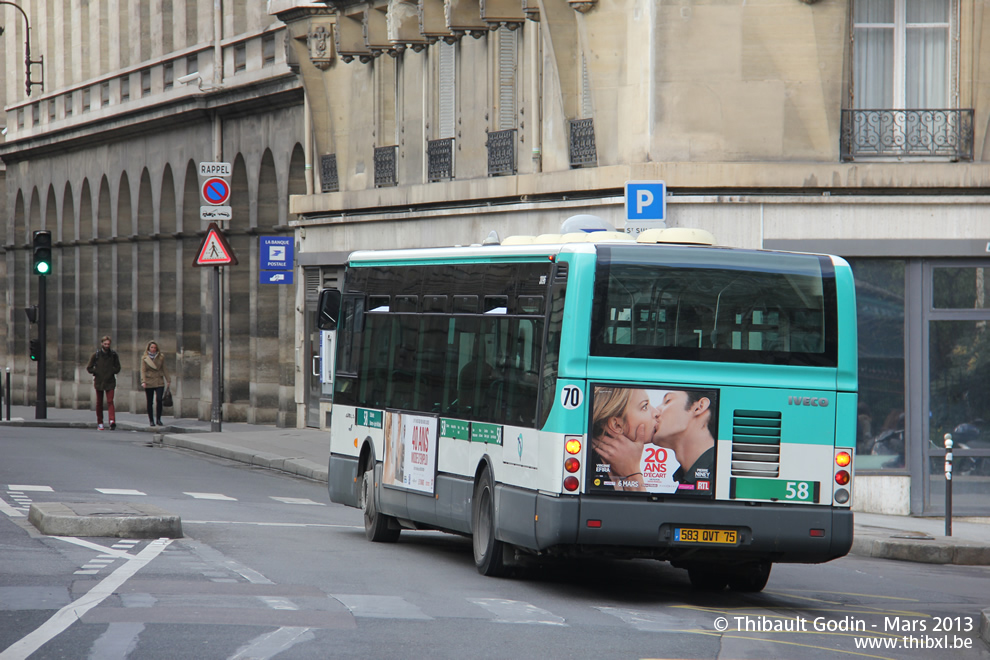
(306, 453)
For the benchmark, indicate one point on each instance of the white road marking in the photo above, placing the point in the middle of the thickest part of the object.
(120, 554)
(278, 603)
(119, 491)
(10, 511)
(34, 489)
(296, 500)
(85, 572)
(211, 496)
(266, 524)
(272, 644)
(381, 607)
(517, 611)
(75, 610)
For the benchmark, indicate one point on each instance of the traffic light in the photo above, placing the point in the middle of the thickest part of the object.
(42, 252)
(35, 350)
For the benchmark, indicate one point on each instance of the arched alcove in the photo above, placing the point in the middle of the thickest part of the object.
(67, 277)
(124, 296)
(241, 298)
(191, 368)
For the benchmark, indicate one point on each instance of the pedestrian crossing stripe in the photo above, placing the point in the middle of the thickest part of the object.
(215, 250)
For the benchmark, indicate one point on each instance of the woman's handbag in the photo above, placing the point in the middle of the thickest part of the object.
(167, 398)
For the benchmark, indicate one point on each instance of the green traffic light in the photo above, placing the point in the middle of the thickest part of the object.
(43, 268)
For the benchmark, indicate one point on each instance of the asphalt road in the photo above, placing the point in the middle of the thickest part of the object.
(269, 568)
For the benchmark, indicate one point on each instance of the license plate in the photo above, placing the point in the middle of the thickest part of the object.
(698, 535)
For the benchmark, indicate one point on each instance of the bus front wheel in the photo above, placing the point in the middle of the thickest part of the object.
(378, 527)
(488, 551)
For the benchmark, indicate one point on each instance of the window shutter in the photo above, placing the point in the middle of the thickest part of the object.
(446, 91)
(506, 79)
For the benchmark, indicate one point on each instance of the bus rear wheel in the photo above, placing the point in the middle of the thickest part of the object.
(750, 578)
(489, 552)
(707, 577)
(378, 527)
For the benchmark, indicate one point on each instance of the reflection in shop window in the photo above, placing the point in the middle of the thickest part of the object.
(960, 288)
(880, 437)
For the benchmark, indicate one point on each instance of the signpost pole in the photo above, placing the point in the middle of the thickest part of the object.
(217, 411)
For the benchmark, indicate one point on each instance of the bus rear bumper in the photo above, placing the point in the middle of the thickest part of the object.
(772, 532)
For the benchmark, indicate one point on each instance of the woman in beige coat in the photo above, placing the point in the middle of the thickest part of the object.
(154, 379)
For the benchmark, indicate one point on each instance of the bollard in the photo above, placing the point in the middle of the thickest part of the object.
(948, 484)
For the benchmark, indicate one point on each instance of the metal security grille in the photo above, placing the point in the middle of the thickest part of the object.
(440, 159)
(582, 143)
(907, 133)
(501, 152)
(755, 443)
(328, 173)
(385, 166)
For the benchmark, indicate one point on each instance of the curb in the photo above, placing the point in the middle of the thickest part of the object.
(985, 626)
(301, 467)
(114, 519)
(924, 549)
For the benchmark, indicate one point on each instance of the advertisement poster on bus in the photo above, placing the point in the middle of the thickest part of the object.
(410, 451)
(656, 440)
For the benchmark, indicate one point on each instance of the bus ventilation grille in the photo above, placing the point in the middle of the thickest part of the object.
(561, 271)
(755, 443)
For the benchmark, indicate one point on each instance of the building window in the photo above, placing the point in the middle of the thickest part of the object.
(145, 83)
(125, 88)
(86, 102)
(35, 114)
(105, 94)
(67, 103)
(192, 64)
(905, 93)
(902, 54)
(167, 75)
(240, 57)
(268, 49)
(880, 434)
(51, 109)
(20, 118)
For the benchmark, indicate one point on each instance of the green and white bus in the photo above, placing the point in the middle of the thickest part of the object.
(595, 394)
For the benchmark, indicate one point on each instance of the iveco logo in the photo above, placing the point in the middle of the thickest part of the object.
(820, 402)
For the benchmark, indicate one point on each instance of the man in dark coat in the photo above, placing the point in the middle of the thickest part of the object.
(104, 365)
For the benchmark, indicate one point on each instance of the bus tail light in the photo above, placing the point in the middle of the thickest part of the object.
(571, 483)
(572, 465)
(572, 445)
(843, 469)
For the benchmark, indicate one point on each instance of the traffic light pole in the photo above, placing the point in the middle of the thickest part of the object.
(41, 405)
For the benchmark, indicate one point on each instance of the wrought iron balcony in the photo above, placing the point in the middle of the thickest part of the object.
(582, 143)
(501, 152)
(907, 134)
(385, 166)
(440, 159)
(328, 174)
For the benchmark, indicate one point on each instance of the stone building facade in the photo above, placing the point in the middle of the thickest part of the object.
(104, 154)
(855, 127)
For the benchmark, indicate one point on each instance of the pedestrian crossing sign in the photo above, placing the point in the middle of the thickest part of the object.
(215, 250)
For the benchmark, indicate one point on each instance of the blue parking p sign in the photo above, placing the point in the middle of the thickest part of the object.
(646, 200)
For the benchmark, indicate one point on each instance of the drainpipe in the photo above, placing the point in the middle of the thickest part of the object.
(308, 141)
(217, 47)
(536, 112)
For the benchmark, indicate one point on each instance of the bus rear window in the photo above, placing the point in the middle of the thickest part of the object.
(688, 303)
